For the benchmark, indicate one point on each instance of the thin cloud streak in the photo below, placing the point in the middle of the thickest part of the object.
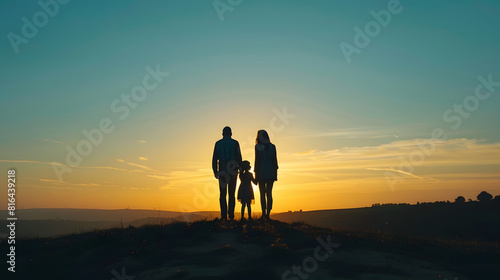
(351, 133)
(52, 181)
(69, 166)
(139, 165)
(401, 172)
(53, 141)
(351, 164)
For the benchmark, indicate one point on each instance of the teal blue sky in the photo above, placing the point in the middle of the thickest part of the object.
(262, 55)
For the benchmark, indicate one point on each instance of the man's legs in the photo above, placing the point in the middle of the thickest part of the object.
(231, 191)
(222, 197)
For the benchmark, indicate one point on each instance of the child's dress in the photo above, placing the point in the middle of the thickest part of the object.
(245, 192)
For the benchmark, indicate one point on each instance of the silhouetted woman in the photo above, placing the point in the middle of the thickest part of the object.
(266, 170)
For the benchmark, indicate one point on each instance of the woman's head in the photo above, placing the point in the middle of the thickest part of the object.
(262, 137)
(245, 165)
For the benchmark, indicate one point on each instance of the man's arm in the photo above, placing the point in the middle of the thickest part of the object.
(238, 153)
(215, 158)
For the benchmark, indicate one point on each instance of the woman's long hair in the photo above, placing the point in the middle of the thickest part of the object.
(262, 140)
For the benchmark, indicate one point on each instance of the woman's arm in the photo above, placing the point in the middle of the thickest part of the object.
(275, 159)
(256, 163)
(254, 180)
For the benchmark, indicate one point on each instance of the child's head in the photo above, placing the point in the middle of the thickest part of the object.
(245, 165)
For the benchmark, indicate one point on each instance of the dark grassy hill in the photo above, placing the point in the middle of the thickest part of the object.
(472, 220)
(52, 228)
(249, 250)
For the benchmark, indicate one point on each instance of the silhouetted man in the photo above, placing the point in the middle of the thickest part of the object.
(225, 161)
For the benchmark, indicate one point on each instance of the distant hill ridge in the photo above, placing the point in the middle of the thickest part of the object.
(471, 220)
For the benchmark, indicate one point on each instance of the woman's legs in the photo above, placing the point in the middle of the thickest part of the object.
(266, 197)
(269, 195)
(249, 211)
(262, 189)
(242, 210)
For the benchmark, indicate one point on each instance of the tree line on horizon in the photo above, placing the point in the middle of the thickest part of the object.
(482, 197)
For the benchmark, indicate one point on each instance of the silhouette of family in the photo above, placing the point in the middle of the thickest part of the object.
(227, 163)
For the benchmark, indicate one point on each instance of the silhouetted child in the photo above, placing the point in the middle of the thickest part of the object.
(245, 192)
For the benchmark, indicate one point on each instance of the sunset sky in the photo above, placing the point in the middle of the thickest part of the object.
(348, 134)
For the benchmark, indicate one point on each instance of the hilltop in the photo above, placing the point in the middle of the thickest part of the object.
(250, 250)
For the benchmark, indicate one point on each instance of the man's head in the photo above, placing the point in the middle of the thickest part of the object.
(227, 131)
